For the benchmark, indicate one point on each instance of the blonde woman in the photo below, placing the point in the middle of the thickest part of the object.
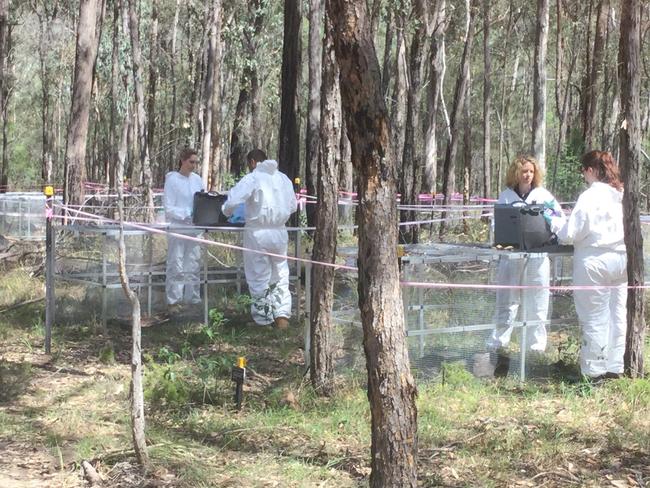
(523, 186)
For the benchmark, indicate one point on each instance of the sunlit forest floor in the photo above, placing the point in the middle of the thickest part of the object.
(73, 405)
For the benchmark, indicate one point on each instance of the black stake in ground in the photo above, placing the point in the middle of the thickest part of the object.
(238, 375)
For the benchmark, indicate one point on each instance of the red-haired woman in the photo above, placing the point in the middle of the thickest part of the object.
(595, 228)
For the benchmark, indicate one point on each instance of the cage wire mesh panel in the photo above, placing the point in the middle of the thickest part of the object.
(22, 215)
(88, 287)
(452, 325)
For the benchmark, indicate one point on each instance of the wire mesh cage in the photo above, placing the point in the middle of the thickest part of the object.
(449, 323)
(88, 286)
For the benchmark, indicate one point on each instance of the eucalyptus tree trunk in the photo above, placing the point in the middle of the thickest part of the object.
(111, 164)
(562, 98)
(238, 135)
(400, 81)
(487, 101)
(216, 168)
(45, 19)
(388, 46)
(629, 160)
(154, 55)
(5, 48)
(410, 181)
(322, 300)
(289, 139)
(391, 389)
(434, 88)
(507, 91)
(593, 75)
(312, 140)
(75, 153)
(346, 178)
(173, 122)
(539, 85)
(143, 146)
(610, 104)
(210, 110)
(137, 393)
(257, 13)
(467, 157)
(460, 93)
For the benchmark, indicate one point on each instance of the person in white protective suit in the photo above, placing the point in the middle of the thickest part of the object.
(269, 200)
(183, 256)
(595, 227)
(524, 186)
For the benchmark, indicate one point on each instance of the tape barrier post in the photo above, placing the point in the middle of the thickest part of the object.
(49, 268)
(238, 375)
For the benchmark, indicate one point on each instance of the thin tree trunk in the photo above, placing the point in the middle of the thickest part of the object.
(173, 123)
(436, 63)
(460, 93)
(539, 85)
(289, 139)
(388, 44)
(4, 90)
(143, 145)
(346, 177)
(391, 389)
(400, 89)
(321, 351)
(216, 167)
(630, 162)
(208, 91)
(237, 135)
(591, 85)
(312, 156)
(45, 34)
(411, 160)
(154, 54)
(111, 163)
(487, 101)
(137, 394)
(505, 94)
(467, 155)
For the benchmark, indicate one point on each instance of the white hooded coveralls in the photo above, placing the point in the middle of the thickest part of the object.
(269, 200)
(183, 256)
(515, 271)
(595, 227)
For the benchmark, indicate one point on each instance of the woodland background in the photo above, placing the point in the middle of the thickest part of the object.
(209, 74)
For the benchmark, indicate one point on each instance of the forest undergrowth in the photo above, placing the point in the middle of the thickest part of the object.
(60, 409)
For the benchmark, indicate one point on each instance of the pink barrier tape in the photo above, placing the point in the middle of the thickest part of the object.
(154, 230)
(414, 284)
(475, 286)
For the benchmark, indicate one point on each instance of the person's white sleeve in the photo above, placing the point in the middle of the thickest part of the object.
(173, 210)
(503, 197)
(575, 228)
(292, 202)
(238, 194)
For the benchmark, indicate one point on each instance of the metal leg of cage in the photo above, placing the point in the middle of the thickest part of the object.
(298, 273)
(50, 263)
(206, 305)
(523, 346)
(421, 318)
(149, 278)
(104, 289)
(307, 331)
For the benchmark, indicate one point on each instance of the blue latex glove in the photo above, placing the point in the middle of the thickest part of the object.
(237, 216)
(548, 215)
